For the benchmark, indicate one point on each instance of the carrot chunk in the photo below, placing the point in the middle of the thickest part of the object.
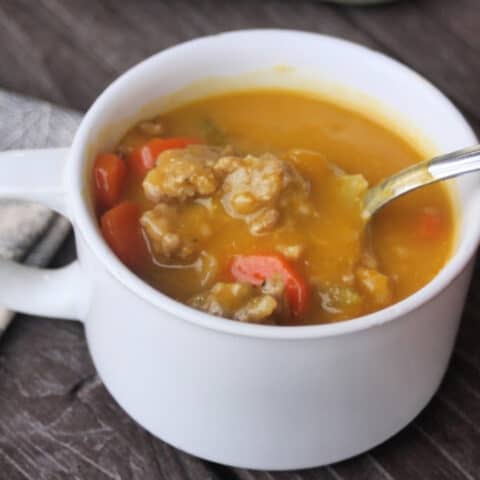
(255, 269)
(110, 174)
(121, 229)
(429, 224)
(143, 158)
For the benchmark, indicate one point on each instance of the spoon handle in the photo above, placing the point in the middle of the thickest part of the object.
(455, 163)
(429, 171)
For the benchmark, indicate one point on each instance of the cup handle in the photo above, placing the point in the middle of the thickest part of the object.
(38, 176)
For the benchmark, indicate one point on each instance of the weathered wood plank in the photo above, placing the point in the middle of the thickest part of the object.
(461, 18)
(414, 456)
(457, 439)
(363, 467)
(434, 49)
(468, 338)
(71, 50)
(58, 421)
(461, 389)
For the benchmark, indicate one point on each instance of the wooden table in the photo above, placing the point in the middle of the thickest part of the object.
(56, 419)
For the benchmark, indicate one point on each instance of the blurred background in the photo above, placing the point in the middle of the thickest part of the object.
(67, 51)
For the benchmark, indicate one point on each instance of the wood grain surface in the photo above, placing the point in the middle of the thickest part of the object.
(57, 421)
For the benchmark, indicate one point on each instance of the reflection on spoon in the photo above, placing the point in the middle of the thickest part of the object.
(424, 173)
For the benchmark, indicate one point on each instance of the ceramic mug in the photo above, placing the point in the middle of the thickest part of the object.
(254, 396)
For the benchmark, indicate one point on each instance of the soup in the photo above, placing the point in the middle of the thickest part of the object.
(248, 206)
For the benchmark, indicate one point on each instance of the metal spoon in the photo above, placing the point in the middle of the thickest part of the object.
(429, 171)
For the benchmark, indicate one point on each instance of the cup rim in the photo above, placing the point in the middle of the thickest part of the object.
(88, 228)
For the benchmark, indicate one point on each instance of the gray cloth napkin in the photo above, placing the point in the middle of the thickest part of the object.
(31, 233)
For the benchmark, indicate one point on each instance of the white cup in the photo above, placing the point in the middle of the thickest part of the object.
(252, 396)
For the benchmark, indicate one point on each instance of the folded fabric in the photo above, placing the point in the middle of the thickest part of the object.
(28, 232)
